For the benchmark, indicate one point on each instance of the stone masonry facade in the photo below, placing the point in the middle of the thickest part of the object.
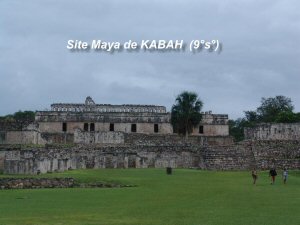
(66, 123)
(89, 135)
(121, 118)
(153, 151)
(273, 131)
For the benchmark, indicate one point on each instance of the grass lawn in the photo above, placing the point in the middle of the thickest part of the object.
(188, 197)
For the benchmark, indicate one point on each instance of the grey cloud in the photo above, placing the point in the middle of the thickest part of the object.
(259, 58)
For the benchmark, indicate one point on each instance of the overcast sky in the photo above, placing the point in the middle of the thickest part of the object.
(260, 56)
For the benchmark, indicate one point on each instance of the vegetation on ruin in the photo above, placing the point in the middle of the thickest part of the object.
(22, 118)
(37, 146)
(186, 197)
(185, 113)
(20, 146)
(278, 109)
(60, 145)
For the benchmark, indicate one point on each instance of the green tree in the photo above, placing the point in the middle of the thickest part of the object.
(251, 116)
(270, 108)
(185, 113)
(286, 117)
(24, 117)
(236, 130)
(297, 117)
(236, 127)
(277, 109)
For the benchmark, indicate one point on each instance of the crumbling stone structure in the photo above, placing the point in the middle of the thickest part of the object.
(104, 117)
(33, 183)
(14, 133)
(102, 123)
(273, 131)
(155, 154)
(212, 125)
(121, 118)
(139, 136)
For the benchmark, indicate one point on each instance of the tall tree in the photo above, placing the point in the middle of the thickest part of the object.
(271, 108)
(278, 109)
(20, 119)
(185, 113)
(24, 118)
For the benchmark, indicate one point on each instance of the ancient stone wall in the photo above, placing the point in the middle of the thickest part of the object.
(276, 131)
(279, 153)
(2, 158)
(82, 137)
(117, 117)
(211, 130)
(23, 137)
(65, 117)
(56, 138)
(5, 126)
(209, 118)
(45, 160)
(55, 127)
(145, 122)
(174, 139)
(241, 156)
(212, 124)
(2, 137)
(29, 183)
(65, 107)
(90, 105)
(99, 137)
(15, 133)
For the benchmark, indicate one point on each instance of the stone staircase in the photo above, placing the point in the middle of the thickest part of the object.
(230, 157)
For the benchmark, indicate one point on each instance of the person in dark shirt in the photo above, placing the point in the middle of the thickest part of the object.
(273, 175)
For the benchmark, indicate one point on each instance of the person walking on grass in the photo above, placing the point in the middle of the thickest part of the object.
(254, 175)
(285, 175)
(273, 175)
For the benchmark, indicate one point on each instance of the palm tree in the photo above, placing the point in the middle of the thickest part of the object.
(185, 114)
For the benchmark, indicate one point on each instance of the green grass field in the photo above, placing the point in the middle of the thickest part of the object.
(187, 197)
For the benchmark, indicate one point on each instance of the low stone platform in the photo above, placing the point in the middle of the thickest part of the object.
(36, 183)
(244, 155)
(32, 183)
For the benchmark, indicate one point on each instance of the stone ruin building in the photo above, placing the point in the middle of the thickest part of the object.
(103, 123)
(91, 117)
(147, 119)
(89, 135)
(273, 131)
